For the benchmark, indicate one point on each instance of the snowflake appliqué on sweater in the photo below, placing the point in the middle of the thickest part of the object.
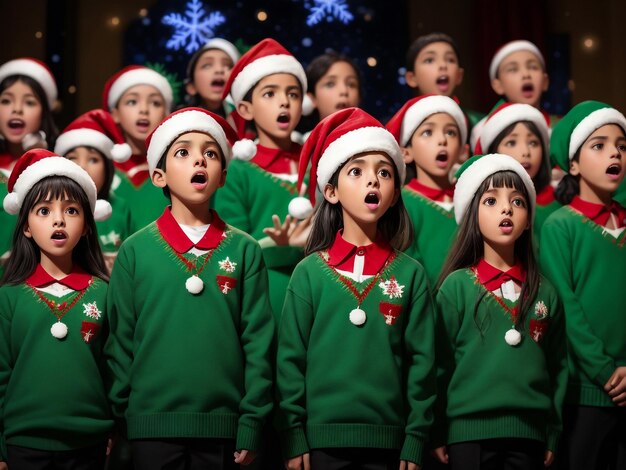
(541, 310)
(391, 288)
(91, 310)
(227, 265)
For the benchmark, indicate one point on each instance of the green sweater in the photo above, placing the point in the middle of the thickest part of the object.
(7, 226)
(589, 269)
(435, 229)
(52, 394)
(187, 365)
(486, 388)
(146, 202)
(340, 385)
(117, 228)
(247, 201)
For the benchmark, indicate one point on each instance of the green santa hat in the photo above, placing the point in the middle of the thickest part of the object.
(576, 127)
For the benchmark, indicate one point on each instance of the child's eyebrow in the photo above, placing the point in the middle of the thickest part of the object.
(599, 137)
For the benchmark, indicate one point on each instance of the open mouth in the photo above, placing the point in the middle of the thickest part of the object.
(614, 170)
(16, 124)
(199, 179)
(372, 200)
(283, 118)
(442, 159)
(506, 224)
(218, 82)
(443, 80)
(341, 106)
(143, 123)
(527, 89)
(58, 235)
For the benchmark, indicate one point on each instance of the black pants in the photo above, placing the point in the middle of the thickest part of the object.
(497, 454)
(593, 438)
(354, 459)
(184, 454)
(25, 458)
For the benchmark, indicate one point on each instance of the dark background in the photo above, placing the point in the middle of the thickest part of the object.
(85, 42)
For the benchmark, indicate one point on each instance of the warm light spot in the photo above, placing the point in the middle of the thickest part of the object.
(71, 89)
(38, 34)
(115, 21)
(261, 15)
(143, 12)
(371, 61)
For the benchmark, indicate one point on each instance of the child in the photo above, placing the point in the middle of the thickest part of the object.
(138, 98)
(582, 252)
(522, 132)
(189, 279)
(432, 68)
(500, 335)
(267, 85)
(355, 380)
(52, 320)
(94, 142)
(28, 94)
(207, 73)
(431, 131)
(518, 74)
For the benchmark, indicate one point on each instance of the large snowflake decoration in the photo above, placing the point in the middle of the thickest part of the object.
(91, 310)
(329, 10)
(195, 29)
(227, 265)
(391, 288)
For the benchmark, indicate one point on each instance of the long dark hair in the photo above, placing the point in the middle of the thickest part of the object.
(569, 186)
(395, 225)
(47, 122)
(468, 249)
(543, 176)
(25, 254)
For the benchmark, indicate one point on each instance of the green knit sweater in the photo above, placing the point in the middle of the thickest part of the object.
(187, 365)
(7, 226)
(588, 267)
(52, 395)
(435, 229)
(340, 385)
(117, 228)
(247, 201)
(486, 388)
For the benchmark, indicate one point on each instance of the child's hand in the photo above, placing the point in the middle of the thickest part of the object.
(280, 233)
(616, 386)
(406, 465)
(245, 457)
(3, 466)
(548, 458)
(300, 232)
(441, 454)
(301, 462)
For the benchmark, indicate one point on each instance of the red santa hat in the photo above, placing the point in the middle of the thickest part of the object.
(36, 70)
(510, 48)
(335, 140)
(415, 111)
(37, 164)
(188, 120)
(131, 76)
(505, 115)
(265, 58)
(97, 129)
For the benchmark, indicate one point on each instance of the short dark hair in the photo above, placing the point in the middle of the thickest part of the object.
(423, 41)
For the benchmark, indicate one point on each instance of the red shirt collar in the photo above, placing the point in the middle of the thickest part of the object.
(176, 238)
(599, 213)
(546, 196)
(277, 160)
(6, 160)
(76, 280)
(341, 255)
(492, 278)
(135, 169)
(433, 194)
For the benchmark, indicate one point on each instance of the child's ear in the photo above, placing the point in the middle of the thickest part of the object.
(463, 153)
(312, 98)
(222, 179)
(245, 110)
(159, 178)
(406, 155)
(396, 196)
(115, 114)
(460, 75)
(496, 84)
(330, 194)
(410, 78)
(27, 232)
(191, 89)
(574, 168)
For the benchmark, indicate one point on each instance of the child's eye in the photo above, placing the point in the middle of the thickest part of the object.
(430, 60)
(210, 154)
(43, 211)
(385, 173)
(427, 133)
(294, 95)
(490, 201)
(534, 143)
(354, 172)
(157, 103)
(181, 153)
(510, 143)
(451, 60)
(130, 102)
(72, 210)
(352, 85)
(268, 94)
(329, 84)
(519, 202)
(451, 133)
(94, 160)
(32, 103)
(5, 101)
(598, 146)
(621, 147)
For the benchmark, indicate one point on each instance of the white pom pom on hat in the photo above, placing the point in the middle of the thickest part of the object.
(244, 149)
(300, 207)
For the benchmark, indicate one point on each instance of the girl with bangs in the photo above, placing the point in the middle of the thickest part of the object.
(52, 320)
(500, 348)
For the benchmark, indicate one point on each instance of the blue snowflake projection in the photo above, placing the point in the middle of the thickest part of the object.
(193, 30)
(329, 10)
